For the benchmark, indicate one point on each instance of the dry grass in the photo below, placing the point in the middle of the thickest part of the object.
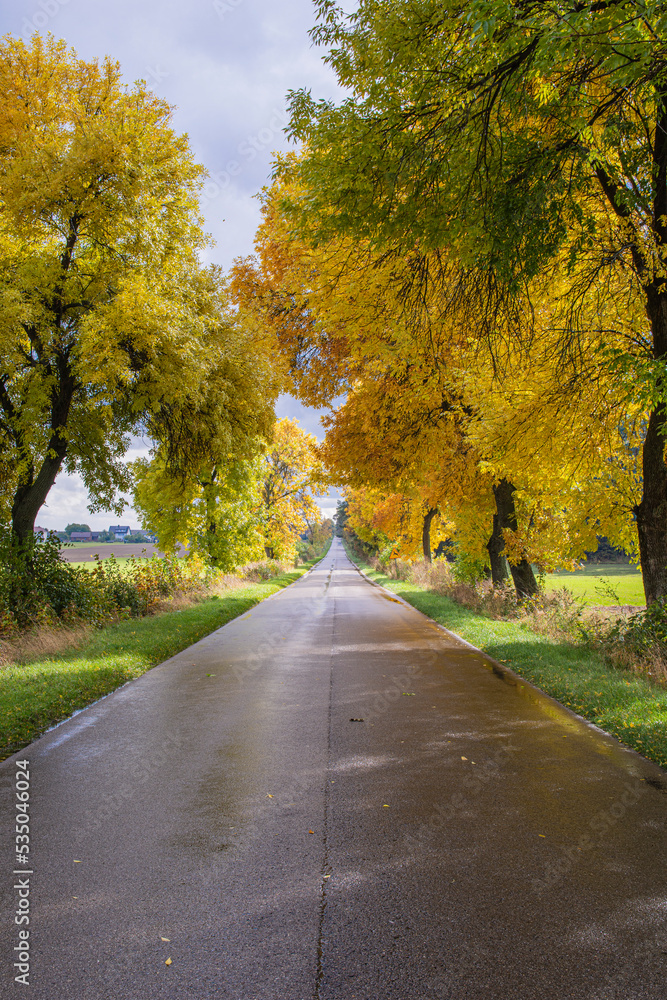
(558, 614)
(651, 663)
(197, 592)
(43, 643)
(265, 570)
(498, 602)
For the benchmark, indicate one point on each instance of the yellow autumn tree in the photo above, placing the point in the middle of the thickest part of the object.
(107, 317)
(291, 479)
(508, 436)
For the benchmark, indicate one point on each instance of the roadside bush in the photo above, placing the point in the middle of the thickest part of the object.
(157, 578)
(39, 589)
(469, 569)
(37, 586)
(265, 570)
(307, 551)
(40, 592)
(302, 551)
(646, 630)
(639, 642)
(557, 614)
(118, 590)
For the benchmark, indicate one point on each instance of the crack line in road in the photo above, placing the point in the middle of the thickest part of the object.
(327, 786)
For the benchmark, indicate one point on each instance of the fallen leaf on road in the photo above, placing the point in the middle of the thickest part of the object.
(464, 758)
(311, 831)
(385, 806)
(77, 862)
(409, 694)
(543, 835)
(269, 796)
(165, 939)
(168, 962)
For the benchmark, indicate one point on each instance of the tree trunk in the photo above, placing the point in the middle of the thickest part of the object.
(426, 533)
(32, 490)
(522, 572)
(31, 494)
(496, 550)
(651, 512)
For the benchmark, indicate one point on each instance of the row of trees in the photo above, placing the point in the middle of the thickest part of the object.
(471, 248)
(240, 510)
(110, 325)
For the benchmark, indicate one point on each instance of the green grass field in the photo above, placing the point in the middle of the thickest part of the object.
(601, 583)
(36, 695)
(627, 706)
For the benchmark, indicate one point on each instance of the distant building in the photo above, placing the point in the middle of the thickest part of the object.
(81, 536)
(120, 531)
(95, 535)
(42, 532)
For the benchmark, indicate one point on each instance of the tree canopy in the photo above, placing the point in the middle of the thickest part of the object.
(496, 442)
(110, 325)
(488, 152)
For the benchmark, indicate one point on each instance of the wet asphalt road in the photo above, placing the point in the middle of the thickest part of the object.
(468, 839)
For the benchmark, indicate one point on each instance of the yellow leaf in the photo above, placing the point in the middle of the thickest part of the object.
(165, 939)
(168, 962)
(464, 758)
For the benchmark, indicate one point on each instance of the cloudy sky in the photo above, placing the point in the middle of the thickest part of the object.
(226, 66)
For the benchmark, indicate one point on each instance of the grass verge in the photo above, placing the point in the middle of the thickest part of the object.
(629, 707)
(36, 695)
